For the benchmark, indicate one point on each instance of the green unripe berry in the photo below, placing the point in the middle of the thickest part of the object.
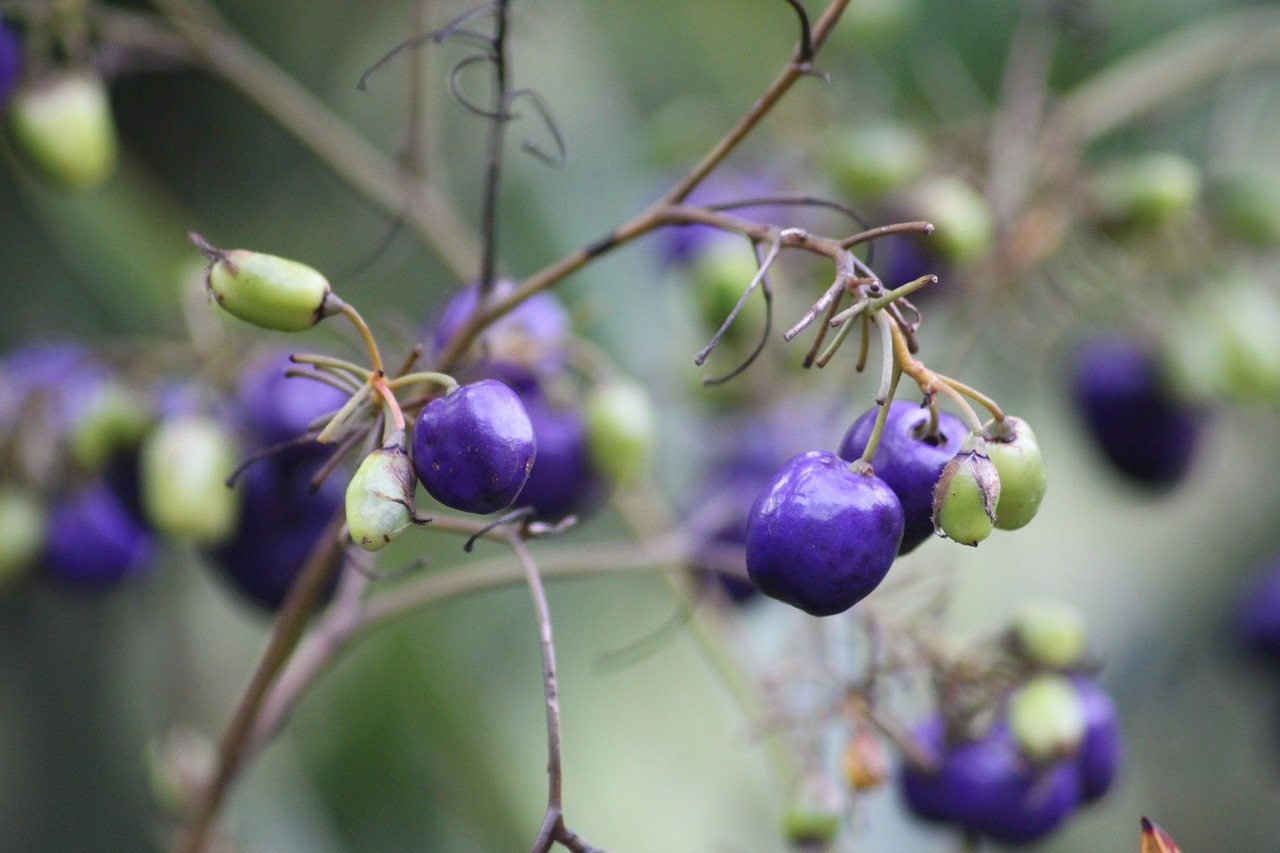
(620, 429)
(965, 498)
(1244, 315)
(62, 126)
(1046, 718)
(1148, 190)
(1049, 633)
(1248, 205)
(963, 230)
(718, 278)
(813, 815)
(1013, 449)
(380, 496)
(267, 291)
(874, 159)
(115, 419)
(22, 529)
(184, 466)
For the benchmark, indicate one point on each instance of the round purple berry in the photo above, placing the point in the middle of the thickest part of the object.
(1101, 752)
(987, 787)
(473, 448)
(94, 541)
(821, 537)
(1259, 616)
(1144, 432)
(908, 460)
(563, 480)
(10, 61)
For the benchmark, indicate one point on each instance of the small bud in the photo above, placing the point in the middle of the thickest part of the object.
(380, 496)
(866, 765)
(1013, 449)
(1046, 718)
(619, 429)
(1156, 840)
(965, 498)
(814, 814)
(1049, 633)
(22, 530)
(265, 290)
(184, 467)
(63, 127)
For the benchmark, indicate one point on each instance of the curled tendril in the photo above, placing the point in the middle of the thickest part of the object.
(466, 103)
(766, 290)
(549, 122)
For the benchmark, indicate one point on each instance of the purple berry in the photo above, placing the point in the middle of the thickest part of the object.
(1101, 751)
(473, 448)
(907, 461)
(55, 382)
(280, 522)
(277, 408)
(821, 537)
(1144, 432)
(987, 787)
(563, 480)
(1259, 615)
(94, 541)
(725, 537)
(10, 61)
(532, 334)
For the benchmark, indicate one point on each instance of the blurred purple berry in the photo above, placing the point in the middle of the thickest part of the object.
(1259, 615)
(532, 334)
(277, 408)
(94, 541)
(10, 61)
(563, 481)
(1144, 432)
(1101, 752)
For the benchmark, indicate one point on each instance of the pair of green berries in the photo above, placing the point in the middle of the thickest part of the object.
(996, 481)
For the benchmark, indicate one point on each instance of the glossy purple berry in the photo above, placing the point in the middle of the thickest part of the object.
(821, 537)
(908, 461)
(1101, 751)
(10, 61)
(1259, 615)
(473, 448)
(986, 787)
(276, 407)
(1146, 434)
(532, 334)
(279, 524)
(94, 541)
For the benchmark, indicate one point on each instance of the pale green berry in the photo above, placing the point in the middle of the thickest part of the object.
(1046, 718)
(184, 466)
(22, 529)
(965, 497)
(620, 429)
(1013, 449)
(719, 277)
(380, 496)
(814, 814)
(963, 230)
(116, 418)
(1147, 190)
(62, 126)
(1050, 634)
(874, 159)
(267, 291)
(1244, 315)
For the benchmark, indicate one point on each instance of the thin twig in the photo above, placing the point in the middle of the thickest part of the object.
(493, 152)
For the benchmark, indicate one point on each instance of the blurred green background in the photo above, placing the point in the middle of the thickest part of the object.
(429, 736)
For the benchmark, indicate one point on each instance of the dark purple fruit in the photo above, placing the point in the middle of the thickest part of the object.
(821, 537)
(1259, 615)
(532, 334)
(94, 542)
(986, 787)
(1146, 434)
(280, 522)
(908, 461)
(277, 408)
(10, 61)
(473, 448)
(1101, 751)
(563, 480)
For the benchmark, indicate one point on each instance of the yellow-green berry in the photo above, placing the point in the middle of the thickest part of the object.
(184, 466)
(62, 126)
(619, 429)
(1050, 634)
(966, 496)
(267, 291)
(22, 530)
(1046, 718)
(1013, 449)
